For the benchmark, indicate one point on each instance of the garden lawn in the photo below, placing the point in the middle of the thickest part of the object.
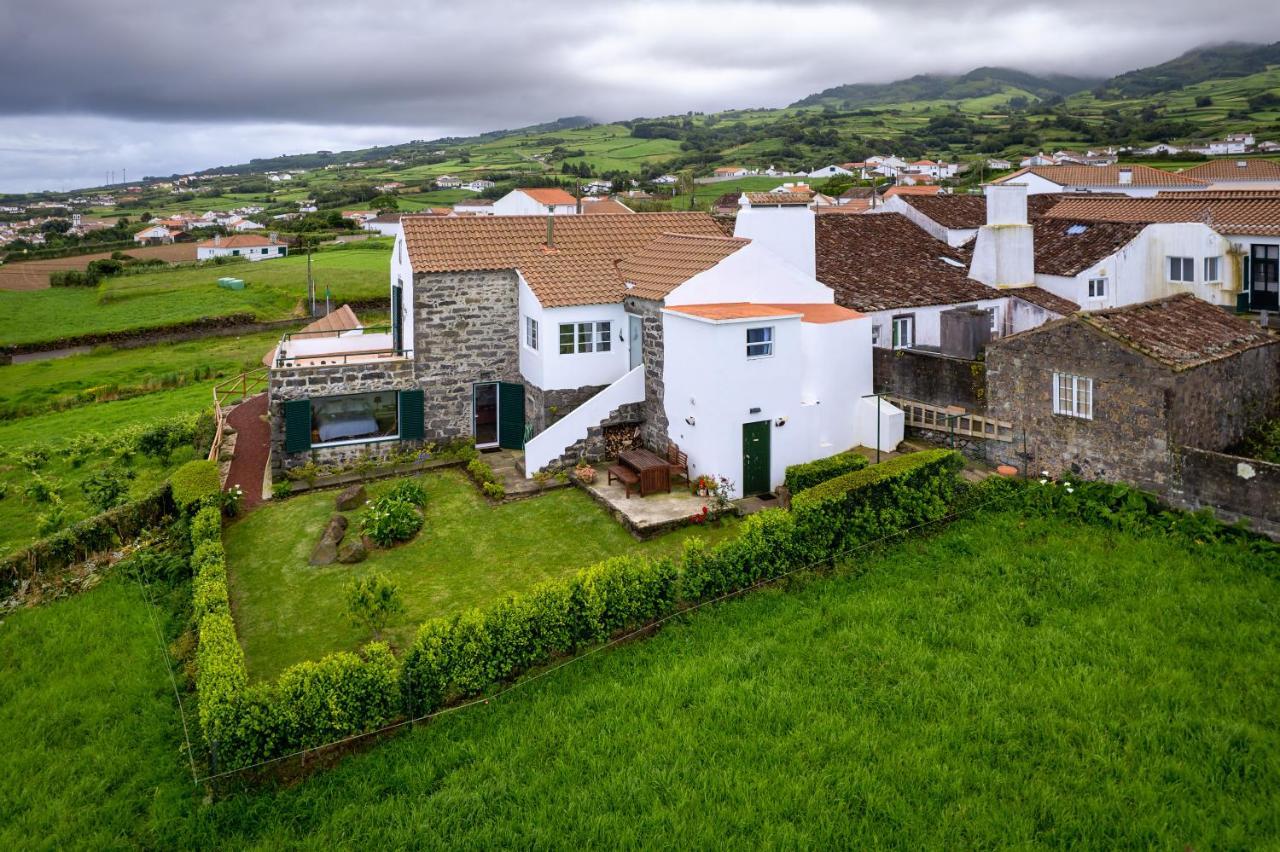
(1007, 682)
(468, 553)
(273, 290)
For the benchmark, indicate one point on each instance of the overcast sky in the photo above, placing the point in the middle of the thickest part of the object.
(92, 86)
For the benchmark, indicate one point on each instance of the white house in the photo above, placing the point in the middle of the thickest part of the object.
(1161, 148)
(249, 246)
(665, 180)
(652, 319)
(242, 225)
(387, 224)
(998, 164)
(829, 171)
(536, 202)
(731, 172)
(1137, 181)
(1038, 159)
(474, 207)
(448, 182)
(479, 185)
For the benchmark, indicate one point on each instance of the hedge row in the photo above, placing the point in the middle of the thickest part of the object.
(801, 477)
(87, 537)
(195, 482)
(450, 658)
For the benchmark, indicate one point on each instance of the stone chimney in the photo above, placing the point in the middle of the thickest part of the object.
(1004, 252)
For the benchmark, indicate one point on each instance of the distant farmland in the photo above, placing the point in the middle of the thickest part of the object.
(34, 274)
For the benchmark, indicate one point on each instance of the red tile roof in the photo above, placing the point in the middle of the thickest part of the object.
(912, 190)
(549, 195)
(817, 312)
(604, 206)
(883, 261)
(580, 270)
(1226, 213)
(779, 199)
(1077, 175)
(239, 241)
(1232, 169)
(672, 259)
(1180, 331)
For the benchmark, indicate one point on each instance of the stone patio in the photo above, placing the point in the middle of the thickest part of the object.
(648, 516)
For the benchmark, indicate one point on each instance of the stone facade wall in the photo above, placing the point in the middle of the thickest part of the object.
(1128, 438)
(544, 407)
(393, 374)
(1235, 488)
(466, 330)
(930, 377)
(1215, 404)
(653, 432)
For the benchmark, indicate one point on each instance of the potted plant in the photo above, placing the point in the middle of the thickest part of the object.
(585, 472)
(703, 486)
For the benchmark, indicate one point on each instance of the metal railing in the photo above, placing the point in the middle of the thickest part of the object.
(337, 357)
(239, 388)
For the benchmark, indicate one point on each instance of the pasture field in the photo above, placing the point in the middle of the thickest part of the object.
(275, 289)
(34, 274)
(1007, 681)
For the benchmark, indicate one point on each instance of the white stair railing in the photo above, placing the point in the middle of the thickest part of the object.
(549, 444)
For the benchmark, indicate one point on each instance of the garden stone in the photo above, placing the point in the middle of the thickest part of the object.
(327, 550)
(352, 551)
(351, 497)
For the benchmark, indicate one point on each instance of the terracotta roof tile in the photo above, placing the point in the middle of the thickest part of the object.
(883, 261)
(1232, 169)
(580, 270)
(672, 259)
(1044, 299)
(788, 199)
(239, 241)
(604, 206)
(1180, 331)
(1062, 251)
(549, 195)
(912, 190)
(818, 313)
(1075, 175)
(1227, 213)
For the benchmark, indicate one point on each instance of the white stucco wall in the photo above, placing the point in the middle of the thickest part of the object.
(402, 273)
(812, 381)
(786, 231)
(516, 203)
(928, 321)
(547, 368)
(754, 273)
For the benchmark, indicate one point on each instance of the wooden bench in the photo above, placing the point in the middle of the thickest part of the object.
(625, 475)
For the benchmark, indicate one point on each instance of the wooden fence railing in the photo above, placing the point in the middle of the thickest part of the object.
(232, 392)
(953, 420)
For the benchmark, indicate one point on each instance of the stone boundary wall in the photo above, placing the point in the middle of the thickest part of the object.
(1233, 486)
(930, 377)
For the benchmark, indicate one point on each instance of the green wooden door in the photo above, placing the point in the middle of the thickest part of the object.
(755, 458)
(511, 415)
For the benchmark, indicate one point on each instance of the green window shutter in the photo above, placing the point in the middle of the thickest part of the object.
(297, 425)
(511, 415)
(411, 415)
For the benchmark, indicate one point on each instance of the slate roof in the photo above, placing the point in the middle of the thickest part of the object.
(1044, 299)
(580, 270)
(1075, 175)
(1061, 252)
(1232, 169)
(672, 259)
(1225, 212)
(884, 262)
(1179, 331)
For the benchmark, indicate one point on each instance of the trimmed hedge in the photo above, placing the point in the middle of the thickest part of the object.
(801, 477)
(195, 482)
(451, 658)
(89, 536)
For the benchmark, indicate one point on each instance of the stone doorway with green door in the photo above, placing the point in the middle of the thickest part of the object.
(755, 458)
(497, 415)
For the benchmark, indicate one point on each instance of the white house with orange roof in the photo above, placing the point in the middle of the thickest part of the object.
(536, 202)
(249, 246)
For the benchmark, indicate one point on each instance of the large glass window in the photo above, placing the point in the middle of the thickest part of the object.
(586, 337)
(355, 417)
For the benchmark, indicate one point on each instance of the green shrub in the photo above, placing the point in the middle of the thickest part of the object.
(194, 483)
(480, 471)
(494, 490)
(206, 526)
(801, 477)
(282, 489)
(388, 521)
(339, 695)
(40, 490)
(408, 491)
(107, 487)
(150, 564)
(33, 457)
(371, 602)
(49, 522)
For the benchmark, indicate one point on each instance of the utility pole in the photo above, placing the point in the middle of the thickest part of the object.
(311, 284)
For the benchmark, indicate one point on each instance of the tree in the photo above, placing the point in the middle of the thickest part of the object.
(1204, 101)
(371, 601)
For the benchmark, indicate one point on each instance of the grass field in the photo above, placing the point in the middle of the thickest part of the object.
(34, 274)
(1005, 683)
(274, 290)
(468, 553)
(107, 373)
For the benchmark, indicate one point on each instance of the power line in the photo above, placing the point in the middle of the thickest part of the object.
(182, 713)
(579, 657)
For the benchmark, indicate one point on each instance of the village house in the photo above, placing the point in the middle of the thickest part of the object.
(479, 185)
(1136, 180)
(731, 172)
(249, 246)
(648, 328)
(448, 182)
(1237, 174)
(534, 202)
(830, 171)
(998, 164)
(474, 207)
(1151, 394)
(665, 180)
(387, 224)
(153, 235)
(390, 187)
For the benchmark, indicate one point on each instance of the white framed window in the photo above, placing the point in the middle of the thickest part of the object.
(1182, 269)
(1097, 288)
(995, 321)
(875, 334)
(904, 331)
(1213, 268)
(579, 337)
(760, 342)
(531, 332)
(1073, 396)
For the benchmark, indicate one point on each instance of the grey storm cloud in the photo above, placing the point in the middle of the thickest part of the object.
(234, 79)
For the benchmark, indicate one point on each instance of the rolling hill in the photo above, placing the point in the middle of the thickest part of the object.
(978, 83)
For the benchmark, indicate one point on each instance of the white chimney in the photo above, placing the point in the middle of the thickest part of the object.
(785, 230)
(1004, 251)
(1126, 176)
